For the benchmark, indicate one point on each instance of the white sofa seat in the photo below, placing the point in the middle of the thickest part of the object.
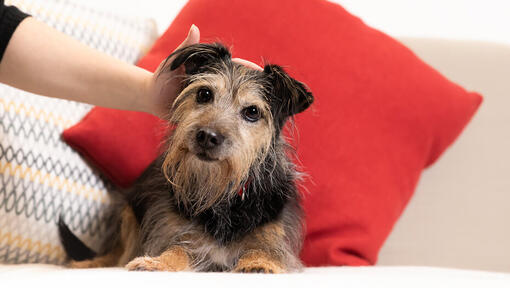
(391, 277)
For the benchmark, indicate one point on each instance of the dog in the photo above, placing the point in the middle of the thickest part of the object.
(223, 195)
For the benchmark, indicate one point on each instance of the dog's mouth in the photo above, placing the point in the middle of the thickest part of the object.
(204, 157)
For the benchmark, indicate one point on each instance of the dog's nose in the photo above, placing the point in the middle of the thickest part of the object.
(208, 139)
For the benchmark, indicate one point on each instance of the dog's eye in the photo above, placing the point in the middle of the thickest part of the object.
(251, 113)
(204, 95)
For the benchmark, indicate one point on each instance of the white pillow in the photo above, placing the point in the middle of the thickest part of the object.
(40, 176)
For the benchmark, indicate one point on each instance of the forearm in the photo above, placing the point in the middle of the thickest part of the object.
(41, 60)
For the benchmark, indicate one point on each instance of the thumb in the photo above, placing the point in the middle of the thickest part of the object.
(192, 38)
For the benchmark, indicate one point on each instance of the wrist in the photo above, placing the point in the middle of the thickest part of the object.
(142, 101)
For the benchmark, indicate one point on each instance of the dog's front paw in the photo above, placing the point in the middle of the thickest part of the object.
(258, 263)
(166, 262)
(268, 269)
(145, 264)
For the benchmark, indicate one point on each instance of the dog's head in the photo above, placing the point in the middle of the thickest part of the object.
(228, 118)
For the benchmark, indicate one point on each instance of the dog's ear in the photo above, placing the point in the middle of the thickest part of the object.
(198, 57)
(287, 95)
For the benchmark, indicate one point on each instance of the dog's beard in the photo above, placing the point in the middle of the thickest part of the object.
(199, 185)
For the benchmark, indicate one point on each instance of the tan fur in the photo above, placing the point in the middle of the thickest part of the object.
(174, 259)
(129, 234)
(258, 261)
(264, 249)
(269, 234)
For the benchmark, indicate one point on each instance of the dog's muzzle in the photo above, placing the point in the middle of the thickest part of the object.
(209, 139)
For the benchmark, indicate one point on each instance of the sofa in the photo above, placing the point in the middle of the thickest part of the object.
(453, 232)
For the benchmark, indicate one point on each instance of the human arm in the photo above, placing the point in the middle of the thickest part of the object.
(42, 60)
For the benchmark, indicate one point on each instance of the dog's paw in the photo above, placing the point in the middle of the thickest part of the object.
(155, 264)
(145, 264)
(257, 269)
(258, 265)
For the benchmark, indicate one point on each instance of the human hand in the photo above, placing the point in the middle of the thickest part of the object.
(163, 88)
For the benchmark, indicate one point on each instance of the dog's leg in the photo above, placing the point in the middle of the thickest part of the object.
(263, 251)
(129, 236)
(174, 259)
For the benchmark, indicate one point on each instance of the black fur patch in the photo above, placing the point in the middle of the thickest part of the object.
(197, 58)
(286, 96)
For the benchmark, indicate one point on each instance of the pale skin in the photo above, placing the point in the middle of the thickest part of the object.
(41, 60)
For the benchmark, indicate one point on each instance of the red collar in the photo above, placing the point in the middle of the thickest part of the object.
(242, 190)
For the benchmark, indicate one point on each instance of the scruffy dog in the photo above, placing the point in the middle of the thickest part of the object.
(223, 196)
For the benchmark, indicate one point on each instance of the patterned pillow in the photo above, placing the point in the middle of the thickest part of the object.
(40, 176)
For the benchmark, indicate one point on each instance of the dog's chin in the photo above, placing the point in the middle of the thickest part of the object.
(205, 157)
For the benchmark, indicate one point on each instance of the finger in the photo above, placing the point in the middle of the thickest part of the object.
(247, 63)
(192, 38)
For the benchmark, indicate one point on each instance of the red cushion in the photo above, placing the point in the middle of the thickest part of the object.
(121, 143)
(381, 115)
